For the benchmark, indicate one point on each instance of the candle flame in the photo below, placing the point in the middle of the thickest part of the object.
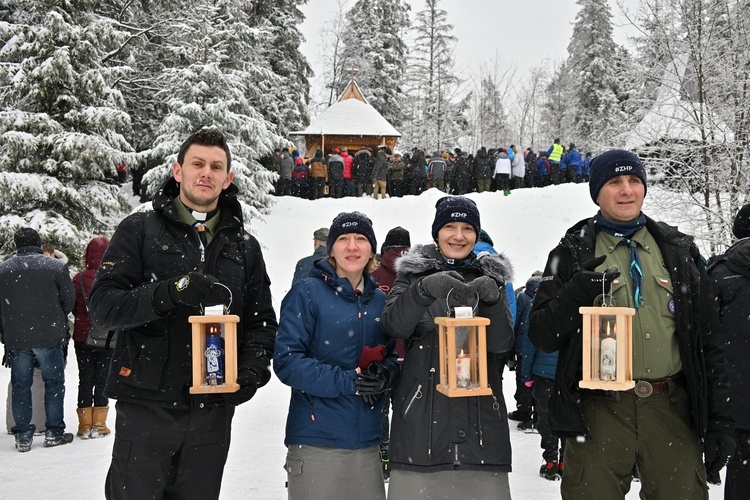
(462, 355)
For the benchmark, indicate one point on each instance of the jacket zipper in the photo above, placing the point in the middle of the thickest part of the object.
(430, 379)
(479, 422)
(417, 395)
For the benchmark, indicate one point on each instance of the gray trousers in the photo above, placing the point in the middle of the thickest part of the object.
(321, 473)
(448, 485)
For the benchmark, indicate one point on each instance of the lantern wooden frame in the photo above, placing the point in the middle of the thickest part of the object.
(477, 347)
(228, 324)
(622, 326)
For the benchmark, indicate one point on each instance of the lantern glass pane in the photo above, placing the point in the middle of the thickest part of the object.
(607, 347)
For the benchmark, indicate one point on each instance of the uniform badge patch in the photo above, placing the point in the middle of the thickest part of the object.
(670, 306)
(182, 283)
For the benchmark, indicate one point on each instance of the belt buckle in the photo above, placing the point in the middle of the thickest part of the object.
(643, 389)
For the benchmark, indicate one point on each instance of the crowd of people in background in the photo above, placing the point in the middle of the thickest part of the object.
(384, 172)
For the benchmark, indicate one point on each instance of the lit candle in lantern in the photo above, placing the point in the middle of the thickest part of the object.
(608, 357)
(463, 371)
(213, 353)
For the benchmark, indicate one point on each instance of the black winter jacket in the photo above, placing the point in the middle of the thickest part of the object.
(429, 431)
(556, 325)
(730, 274)
(152, 358)
(36, 295)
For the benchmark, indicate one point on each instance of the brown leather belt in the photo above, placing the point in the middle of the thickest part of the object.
(646, 388)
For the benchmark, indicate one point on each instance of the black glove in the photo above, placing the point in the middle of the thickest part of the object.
(718, 450)
(375, 379)
(438, 285)
(486, 288)
(188, 290)
(248, 381)
(590, 281)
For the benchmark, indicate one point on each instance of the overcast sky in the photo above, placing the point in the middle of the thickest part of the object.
(520, 32)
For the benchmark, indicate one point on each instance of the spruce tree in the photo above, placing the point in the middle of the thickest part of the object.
(592, 52)
(63, 123)
(374, 45)
(214, 83)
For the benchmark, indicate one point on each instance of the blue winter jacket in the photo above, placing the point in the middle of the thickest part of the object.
(323, 329)
(482, 246)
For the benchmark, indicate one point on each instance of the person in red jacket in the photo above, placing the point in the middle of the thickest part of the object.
(93, 362)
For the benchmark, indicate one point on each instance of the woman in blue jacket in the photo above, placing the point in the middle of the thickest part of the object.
(331, 350)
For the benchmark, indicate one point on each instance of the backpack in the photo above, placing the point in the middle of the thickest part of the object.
(299, 172)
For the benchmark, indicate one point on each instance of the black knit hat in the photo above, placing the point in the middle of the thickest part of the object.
(27, 237)
(741, 227)
(351, 222)
(455, 209)
(611, 164)
(396, 237)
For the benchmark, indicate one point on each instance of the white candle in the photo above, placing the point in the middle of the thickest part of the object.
(463, 371)
(608, 358)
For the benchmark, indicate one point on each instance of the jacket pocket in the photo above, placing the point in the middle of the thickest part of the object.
(142, 359)
(230, 266)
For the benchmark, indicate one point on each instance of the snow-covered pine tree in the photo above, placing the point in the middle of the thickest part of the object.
(214, 83)
(374, 45)
(596, 111)
(63, 123)
(276, 39)
(436, 116)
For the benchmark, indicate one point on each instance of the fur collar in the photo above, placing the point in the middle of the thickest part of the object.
(424, 258)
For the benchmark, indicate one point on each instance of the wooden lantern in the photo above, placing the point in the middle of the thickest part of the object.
(205, 356)
(607, 348)
(463, 356)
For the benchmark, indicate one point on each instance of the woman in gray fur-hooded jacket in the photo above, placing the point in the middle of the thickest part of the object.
(458, 441)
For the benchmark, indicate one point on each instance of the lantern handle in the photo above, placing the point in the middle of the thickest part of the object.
(229, 306)
(473, 308)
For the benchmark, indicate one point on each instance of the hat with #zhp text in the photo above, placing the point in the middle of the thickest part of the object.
(611, 164)
(741, 227)
(351, 222)
(26, 237)
(455, 209)
(321, 234)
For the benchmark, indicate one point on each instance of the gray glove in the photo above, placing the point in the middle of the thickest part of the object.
(486, 288)
(438, 285)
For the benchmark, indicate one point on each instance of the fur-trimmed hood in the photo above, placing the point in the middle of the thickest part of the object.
(424, 258)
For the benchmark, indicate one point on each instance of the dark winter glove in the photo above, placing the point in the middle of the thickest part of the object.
(486, 288)
(438, 285)
(718, 450)
(590, 281)
(188, 290)
(375, 379)
(248, 381)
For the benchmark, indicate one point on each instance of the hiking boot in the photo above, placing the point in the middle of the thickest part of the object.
(550, 471)
(24, 440)
(527, 426)
(519, 416)
(51, 440)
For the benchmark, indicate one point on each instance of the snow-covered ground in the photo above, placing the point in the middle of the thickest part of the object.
(526, 225)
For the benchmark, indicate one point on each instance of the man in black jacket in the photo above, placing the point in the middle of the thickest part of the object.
(730, 274)
(159, 269)
(680, 409)
(36, 295)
